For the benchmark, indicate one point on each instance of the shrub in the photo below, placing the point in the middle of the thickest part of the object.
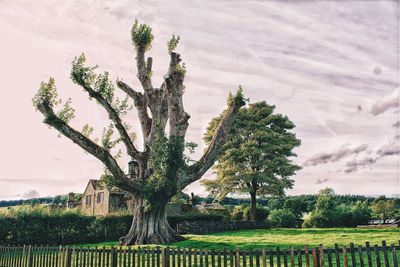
(242, 213)
(41, 225)
(174, 220)
(283, 218)
(237, 213)
(341, 216)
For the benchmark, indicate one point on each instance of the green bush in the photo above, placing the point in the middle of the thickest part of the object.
(242, 213)
(174, 220)
(41, 225)
(237, 213)
(283, 218)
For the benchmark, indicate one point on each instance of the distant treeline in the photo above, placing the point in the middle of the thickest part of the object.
(275, 202)
(61, 199)
(309, 200)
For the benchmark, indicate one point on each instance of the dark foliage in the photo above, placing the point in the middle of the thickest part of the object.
(73, 228)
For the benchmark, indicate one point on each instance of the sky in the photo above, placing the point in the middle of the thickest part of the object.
(331, 66)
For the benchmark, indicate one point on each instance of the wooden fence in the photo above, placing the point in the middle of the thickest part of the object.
(351, 256)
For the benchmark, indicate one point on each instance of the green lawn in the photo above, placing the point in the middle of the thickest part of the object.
(284, 238)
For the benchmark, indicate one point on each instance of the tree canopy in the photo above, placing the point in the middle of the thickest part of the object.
(256, 158)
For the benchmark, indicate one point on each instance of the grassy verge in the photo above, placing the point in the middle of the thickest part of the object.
(283, 238)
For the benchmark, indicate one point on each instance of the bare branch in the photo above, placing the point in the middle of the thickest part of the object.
(197, 170)
(144, 70)
(178, 118)
(113, 115)
(88, 145)
(140, 102)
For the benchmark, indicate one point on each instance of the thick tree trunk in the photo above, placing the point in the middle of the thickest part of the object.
(149, 225)
(253, 208)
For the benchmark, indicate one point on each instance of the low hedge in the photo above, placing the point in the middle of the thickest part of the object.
(73, 228)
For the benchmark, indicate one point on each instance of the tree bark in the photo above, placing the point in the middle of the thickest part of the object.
(149, 225)
(253, 208)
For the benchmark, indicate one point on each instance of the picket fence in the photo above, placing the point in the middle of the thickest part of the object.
(351, 256)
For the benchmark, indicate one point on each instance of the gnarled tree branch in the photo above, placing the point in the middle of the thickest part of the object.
(197, 170)
(178, 118)
(114, 117)
(140, 102)
(89, 146)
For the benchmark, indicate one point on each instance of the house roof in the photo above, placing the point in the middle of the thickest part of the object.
(96, 185)
(213, 206)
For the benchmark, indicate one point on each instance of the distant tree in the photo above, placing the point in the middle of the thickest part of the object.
(296, 205)
(256, 158)
(160, 170)
(326, 212)
(276, 202)
(385, 208)
(283, 218)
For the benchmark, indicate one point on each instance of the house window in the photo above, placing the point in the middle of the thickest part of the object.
(100, 197)
(88, 200)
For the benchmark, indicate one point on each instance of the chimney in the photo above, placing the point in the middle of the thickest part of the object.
(133, 167)
(71, 200)
(71, 196)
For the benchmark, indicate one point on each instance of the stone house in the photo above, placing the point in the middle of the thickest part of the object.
(213, 208)
(98, 200)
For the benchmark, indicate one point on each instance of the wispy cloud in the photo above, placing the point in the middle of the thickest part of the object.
(336, 155)
(322, 181)
(25, 195)
(386, 103)
(391, 148)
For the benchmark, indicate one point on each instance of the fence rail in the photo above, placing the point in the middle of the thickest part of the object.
(346, 256)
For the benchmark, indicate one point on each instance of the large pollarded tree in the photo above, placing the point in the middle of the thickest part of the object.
(161, 170)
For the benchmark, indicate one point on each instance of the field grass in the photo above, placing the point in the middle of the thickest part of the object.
(283, 238)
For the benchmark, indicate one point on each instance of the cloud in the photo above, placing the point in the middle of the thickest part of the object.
(27, 194)
(354, 165)
(389, 149)
(322, 181)
(336, 155)
(388, 102)
(396, 125)
(30, 194)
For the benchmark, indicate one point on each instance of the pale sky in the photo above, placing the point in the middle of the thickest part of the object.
(330, 66)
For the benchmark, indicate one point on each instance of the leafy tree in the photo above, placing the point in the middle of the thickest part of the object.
(256, 156)
(384, 209)
(161, 170)
(296, 205)
(276, 202)
(283, 218)
(326, 212)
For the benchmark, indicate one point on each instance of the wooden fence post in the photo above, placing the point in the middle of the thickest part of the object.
(68, 255)
(321, 255)
(30, 256)
(395, 263)
(237, 258)
(345, 260)
(385, 254)
(165, 257)
(113, 257)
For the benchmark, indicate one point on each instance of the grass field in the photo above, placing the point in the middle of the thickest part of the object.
(284, 238)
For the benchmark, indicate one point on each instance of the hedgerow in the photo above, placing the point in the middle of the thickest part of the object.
(38, 225)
